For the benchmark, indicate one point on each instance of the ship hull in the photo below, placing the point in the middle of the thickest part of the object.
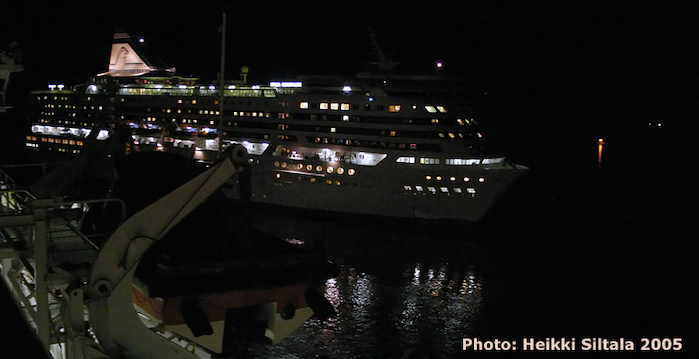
(423, 193)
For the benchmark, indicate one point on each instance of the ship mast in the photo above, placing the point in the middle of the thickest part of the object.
(219, 130)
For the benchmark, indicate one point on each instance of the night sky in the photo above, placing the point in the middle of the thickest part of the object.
(546, 79)
(537, 71)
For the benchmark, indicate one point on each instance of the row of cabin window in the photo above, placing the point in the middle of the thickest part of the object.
(351, 130)
(384, 120)
(335, 106)
(66, 122)
(337, 141)
(429, 147)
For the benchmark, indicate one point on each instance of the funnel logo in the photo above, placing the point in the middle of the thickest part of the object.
(121, 58)
(124, 61)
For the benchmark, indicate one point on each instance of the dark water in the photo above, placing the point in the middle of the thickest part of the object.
(395, 297)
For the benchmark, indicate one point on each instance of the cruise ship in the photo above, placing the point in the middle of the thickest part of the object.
(375, 144)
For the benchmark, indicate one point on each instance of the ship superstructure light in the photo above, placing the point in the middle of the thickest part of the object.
(291, 84)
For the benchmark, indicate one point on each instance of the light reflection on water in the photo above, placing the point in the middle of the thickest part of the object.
(429, 309)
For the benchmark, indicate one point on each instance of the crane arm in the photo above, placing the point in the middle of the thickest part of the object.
(112, 315)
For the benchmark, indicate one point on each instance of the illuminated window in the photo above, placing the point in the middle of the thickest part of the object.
(334, 106)
(407, 188)
(493, 160)
(466, 179)
(393, 108)
(330, 169)
(405, 160)
(431, 109)
(350, 172)
(462, 161)
(309, 167)
(435, 120)
(444, 189)
(303, 105)
(345, 107)
(323, 106)
(194, 102)
(392, 133)
(471, 190)
(439, 178)
(441, 109)
(481, 180)
(457, 190)
(319, 168)
(419, 188)
(429, 161)
(340, 170)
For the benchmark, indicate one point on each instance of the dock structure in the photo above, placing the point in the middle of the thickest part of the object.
(44, 259)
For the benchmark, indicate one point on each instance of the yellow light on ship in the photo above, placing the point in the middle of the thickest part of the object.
(600, 145)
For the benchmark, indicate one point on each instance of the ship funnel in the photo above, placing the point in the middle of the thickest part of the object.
(128, 58)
